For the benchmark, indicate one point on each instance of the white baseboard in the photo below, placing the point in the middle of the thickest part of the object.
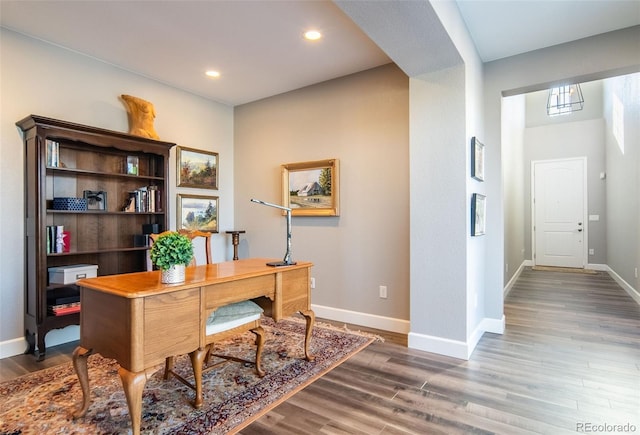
(624, 284)
(495, 326)
(456, 348)
(515, 277)
(363, 319)
(439, 345)
(17, 346)
(13, 347)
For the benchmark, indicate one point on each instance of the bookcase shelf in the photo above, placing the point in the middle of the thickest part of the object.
(65, 160)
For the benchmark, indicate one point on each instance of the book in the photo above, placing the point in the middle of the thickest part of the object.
(53, 153)
(63, 309)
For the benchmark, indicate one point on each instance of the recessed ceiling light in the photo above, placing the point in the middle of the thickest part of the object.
(213, 74)
(312, 35)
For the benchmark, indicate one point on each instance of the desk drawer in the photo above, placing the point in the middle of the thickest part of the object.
(217, 295)
(171, 325)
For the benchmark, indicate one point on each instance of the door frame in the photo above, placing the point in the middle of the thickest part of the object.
(585, 208)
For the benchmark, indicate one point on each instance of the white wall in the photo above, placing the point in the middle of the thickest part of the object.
(439, 200)
(623, 182)
(513, 122)
(38, 78)
(453, 300)
(561, 141)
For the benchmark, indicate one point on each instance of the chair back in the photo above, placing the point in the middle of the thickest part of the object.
(195, 236)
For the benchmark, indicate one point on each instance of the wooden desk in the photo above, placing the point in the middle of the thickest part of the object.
(139, 321)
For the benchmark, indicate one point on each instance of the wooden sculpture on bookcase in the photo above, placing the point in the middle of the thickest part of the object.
(141, 115)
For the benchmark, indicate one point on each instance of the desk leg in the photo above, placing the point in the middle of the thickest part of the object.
(310, 317)
(80, 355)
(197, 359)
(133, 384)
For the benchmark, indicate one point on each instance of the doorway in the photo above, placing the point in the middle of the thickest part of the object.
(559, 204)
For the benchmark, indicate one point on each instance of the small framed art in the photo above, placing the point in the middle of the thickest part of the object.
(312, 188)
(96, 200)
(197, 168)
(477, 159)
(478, 214)
(198, 212)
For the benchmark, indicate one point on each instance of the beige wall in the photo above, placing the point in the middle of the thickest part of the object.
(362, 120)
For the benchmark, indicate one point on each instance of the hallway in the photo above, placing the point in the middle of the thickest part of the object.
(568, 362)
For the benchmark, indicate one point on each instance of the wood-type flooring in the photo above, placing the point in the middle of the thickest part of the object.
(568, 362)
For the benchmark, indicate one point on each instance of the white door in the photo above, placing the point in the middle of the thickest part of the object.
(559, 204)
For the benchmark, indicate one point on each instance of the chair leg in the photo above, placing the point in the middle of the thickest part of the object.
(168, 366)
(209, 354)
(259, 333)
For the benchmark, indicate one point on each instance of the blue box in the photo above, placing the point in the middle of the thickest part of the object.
(71, 204)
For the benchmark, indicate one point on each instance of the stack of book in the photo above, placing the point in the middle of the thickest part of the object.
(63, 300)
(146, 199)
(58, 240)
(64, 309)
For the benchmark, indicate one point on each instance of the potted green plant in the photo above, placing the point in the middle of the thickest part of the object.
(170, 253)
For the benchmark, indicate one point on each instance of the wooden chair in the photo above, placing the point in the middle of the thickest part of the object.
(225, 322)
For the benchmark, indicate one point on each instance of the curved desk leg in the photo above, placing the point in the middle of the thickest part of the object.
(80, 355)
(133, 384)
(197, 359)
(310, 317)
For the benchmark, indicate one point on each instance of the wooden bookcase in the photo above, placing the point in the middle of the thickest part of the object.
(63, 160)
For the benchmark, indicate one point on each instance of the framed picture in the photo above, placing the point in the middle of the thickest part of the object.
(198, 212)
(477, 159)
(478, 214)
(197, 168)
(312, 188)
(96, 200)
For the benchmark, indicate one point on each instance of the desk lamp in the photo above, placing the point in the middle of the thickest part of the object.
(286, 261)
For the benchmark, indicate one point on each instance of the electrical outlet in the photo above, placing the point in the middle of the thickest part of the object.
(383, 291)
(313, 282)
(636, 272)
(592, 251)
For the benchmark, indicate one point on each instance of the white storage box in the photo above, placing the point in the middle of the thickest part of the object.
(72, 273)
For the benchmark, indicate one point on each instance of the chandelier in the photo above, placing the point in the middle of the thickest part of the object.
(564, 99)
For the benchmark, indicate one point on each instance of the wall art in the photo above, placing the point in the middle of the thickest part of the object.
(477, 159)
(198, 212)
(197, 168)
(312, 188)
(478, 214)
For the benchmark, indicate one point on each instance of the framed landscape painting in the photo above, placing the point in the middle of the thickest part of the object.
(197, 168)
(198, 212)
(312, 188)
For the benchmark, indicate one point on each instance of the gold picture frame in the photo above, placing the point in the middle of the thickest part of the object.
(312, 188)
(198, 212)
(197, 168)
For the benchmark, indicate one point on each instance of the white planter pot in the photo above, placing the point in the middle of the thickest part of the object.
(174, 274)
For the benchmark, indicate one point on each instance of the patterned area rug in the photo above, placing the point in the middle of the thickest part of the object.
(234, 396)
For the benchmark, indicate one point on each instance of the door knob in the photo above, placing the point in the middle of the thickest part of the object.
(579, 230)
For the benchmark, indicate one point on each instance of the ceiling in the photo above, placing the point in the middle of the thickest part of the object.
(258, 47)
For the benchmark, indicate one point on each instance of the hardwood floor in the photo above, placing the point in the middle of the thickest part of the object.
(568, 362)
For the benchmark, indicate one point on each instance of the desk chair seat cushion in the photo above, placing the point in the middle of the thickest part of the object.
(232, 315)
